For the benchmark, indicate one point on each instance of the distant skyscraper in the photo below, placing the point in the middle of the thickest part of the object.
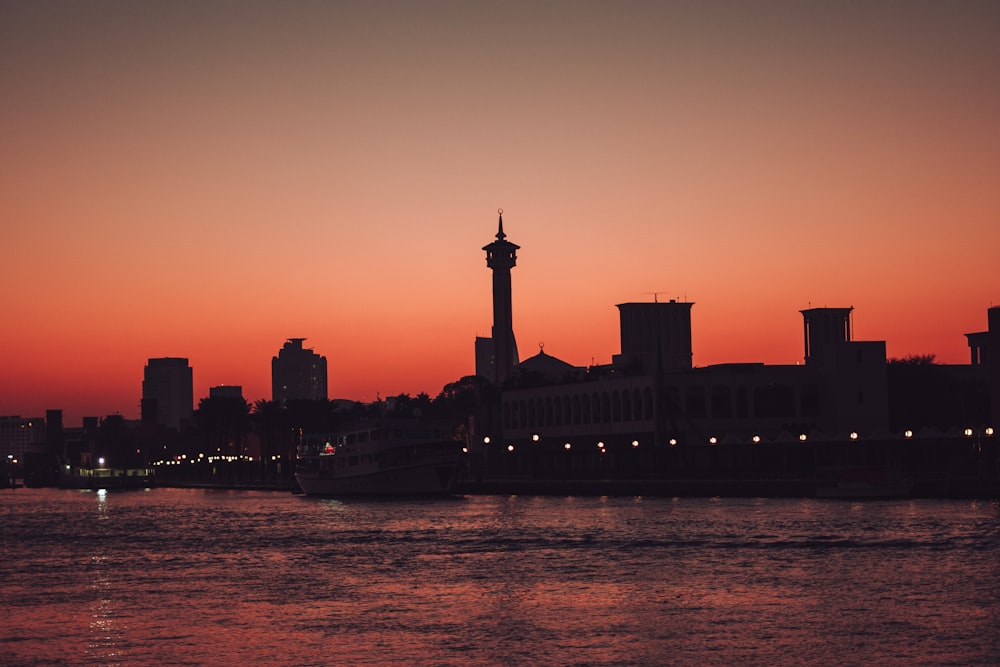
(501, 256)
(226, 391)
(298, 373)
(167, 391)
(19, 436)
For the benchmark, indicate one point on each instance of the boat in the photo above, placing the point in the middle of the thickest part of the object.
(384, 459)
(106, 478)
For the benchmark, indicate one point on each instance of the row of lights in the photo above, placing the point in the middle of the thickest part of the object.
(756, 439)
(177, 460)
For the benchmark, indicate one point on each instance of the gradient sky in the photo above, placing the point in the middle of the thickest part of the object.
(207, 179)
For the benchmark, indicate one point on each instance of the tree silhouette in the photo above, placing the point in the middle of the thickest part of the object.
(114, 442)
(223, 422)
(270, 422)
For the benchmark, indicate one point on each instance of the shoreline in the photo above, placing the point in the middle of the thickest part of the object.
(667, 488)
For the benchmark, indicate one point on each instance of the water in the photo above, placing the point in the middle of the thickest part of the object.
(191, 577)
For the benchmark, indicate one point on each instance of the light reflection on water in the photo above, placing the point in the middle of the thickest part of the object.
(182, 577)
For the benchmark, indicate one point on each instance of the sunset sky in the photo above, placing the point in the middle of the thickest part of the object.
(206, 179)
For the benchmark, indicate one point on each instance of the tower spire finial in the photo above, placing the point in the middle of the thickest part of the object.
(500, 234)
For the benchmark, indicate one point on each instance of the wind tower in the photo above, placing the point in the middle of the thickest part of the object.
(501, 257)
(826, 331)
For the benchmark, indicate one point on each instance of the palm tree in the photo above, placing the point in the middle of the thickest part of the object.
(224, 422)
(270, 421)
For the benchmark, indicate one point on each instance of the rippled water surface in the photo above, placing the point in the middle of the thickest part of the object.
(191, 577)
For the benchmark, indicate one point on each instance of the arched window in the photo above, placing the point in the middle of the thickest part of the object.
(674, 396)
(616, 407)
(722, 402)
(774, 401)
(809, 401)
(694, 402)
(742, 408)
(626, 406)
(577, 417)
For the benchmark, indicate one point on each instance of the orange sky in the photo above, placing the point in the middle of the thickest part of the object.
(208, 179)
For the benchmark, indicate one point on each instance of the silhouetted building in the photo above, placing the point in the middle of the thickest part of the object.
(226, 391)
(843, 390)
(825, 330)
(984, 352)
(55, 436)
(852, 374)
(993, 362)
(926, 395)
(298, 373)
(20, 436)
(501, 257)
(978, 347)
(545, 367)
(484, 357)
(655, 336)
(167, 392)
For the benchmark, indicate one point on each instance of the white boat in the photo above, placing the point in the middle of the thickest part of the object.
(380, 460)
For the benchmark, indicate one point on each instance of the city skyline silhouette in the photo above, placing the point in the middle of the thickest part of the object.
(300, 373)
(195, 182)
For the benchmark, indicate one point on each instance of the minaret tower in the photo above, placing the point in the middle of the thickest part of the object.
(501, 256)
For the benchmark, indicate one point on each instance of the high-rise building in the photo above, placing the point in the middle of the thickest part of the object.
(167, 392)
(501, 256)
(226, 391)
(20, 436)
(298, 373)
